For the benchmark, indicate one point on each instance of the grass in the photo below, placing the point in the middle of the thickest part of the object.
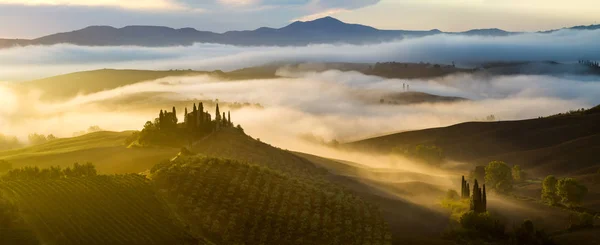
(106, 150)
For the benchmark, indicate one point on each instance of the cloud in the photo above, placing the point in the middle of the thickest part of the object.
(126, 4)
(562, 46)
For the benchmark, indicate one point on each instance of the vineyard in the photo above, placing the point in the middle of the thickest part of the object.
(95, 210)
(234, 145)
(238, 203)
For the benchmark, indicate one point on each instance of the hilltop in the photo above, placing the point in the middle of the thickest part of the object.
(319, 31)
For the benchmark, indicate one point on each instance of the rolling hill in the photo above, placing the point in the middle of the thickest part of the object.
(405, 218)
(107, 150)
(561, 145)
(95, 210)
(235, 203)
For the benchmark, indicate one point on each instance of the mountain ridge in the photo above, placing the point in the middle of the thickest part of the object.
(327, 30)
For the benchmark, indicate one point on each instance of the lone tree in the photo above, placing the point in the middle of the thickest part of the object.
(570, 191)
(549, 193)
(498, 176)
(518, 174)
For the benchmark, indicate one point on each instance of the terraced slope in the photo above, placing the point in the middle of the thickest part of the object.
(238, 203)
(95, 210)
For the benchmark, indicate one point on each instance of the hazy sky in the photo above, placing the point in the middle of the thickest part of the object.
(33, 18)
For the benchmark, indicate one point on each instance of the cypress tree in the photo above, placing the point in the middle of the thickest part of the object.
(217, 114)
(195, 109)
(185, 117)
(224, 119)
(229, 118)
(201, 107)
(175, 120)
(468, 190)
(161, 117)
(462, 187)
(484, 200)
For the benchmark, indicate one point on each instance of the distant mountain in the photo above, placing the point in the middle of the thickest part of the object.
(320, 31)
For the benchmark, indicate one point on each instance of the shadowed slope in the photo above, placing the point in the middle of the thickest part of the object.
(555, 145)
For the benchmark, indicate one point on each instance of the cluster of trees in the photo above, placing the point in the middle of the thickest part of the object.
(91, 129)
(37, 139)
(590, 63)
(120, 209)
(566, 191)
(477, 200)
(9, 142)
(430, 154)
(498, 176)
(237, 203)
(168, 130)
(32, 173)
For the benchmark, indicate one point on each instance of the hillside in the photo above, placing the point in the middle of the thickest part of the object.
(561, 145)
(405, 218)
(86, 82)
(235, 203)
(95, 210)
(106, 150)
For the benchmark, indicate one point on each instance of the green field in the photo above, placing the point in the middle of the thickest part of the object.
(95, 210)
(106, 150)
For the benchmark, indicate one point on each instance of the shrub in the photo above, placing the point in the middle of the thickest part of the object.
(527, 234)
(452, 195)
(570, 191)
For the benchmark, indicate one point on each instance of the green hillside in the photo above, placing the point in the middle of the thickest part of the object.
(106, 150)
(406, 219)
(95, 210)
(238, 203)
(86, 82)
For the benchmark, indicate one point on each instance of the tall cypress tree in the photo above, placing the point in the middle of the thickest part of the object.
(229, 118)
(195, 108)
(484, 200)
(224, 120)
(175, 120)
(217, 114)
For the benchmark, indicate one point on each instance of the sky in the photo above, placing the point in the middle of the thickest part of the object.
(35, 18)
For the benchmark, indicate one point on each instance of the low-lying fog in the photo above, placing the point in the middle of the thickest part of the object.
(328, 105)
(23, 63)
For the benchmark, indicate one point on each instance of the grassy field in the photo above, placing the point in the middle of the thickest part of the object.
(95, 210)
(106, 150)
